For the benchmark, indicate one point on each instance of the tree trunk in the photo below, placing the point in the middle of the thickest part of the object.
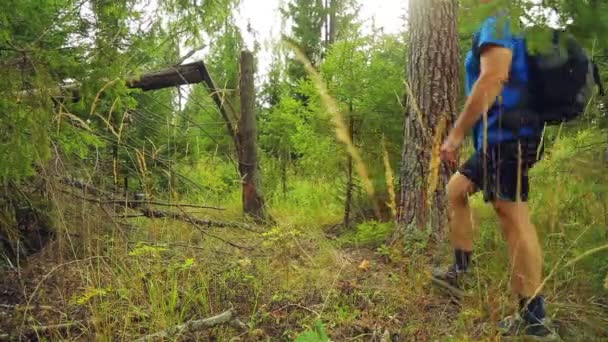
(283, 161)
(433, 70)
(348, 201)
(332, 21)
(253, 203)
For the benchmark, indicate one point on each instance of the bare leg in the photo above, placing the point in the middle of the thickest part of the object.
(461, 225)
(524, 247)
(461, 235)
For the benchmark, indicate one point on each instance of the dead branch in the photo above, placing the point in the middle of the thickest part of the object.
(91, 190)
(154, 213)
(193, 326)
(164, 204)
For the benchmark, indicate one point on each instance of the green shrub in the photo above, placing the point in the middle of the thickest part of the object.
(373, 233)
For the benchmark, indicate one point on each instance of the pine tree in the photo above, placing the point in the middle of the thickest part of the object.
(433, 70)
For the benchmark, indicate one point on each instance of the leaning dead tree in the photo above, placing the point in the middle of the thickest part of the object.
(244, 135)
(241, 128)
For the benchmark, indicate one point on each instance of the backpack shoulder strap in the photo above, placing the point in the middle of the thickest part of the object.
(598, 79)
(475, 45)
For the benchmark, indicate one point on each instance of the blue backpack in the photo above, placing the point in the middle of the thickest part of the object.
(560, 85)
(561, 80)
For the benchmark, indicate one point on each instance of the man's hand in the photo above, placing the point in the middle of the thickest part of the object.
(449, 149)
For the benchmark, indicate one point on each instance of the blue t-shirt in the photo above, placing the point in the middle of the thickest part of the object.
(498, 32)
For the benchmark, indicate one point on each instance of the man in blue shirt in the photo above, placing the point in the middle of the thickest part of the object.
(496, 78)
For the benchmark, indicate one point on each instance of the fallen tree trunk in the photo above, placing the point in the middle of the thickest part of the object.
(193, 326)
(147, 211)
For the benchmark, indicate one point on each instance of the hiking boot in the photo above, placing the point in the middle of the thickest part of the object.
(516, 328)
(450, 280)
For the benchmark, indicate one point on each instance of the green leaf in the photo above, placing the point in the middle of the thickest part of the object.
(318, 334)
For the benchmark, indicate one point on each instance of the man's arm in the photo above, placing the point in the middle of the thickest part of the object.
(495, 67)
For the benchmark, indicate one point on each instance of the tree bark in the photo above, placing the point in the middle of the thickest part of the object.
(253, 202)
(349, 171)
(433, 70)
(332, 21)
(171, 77)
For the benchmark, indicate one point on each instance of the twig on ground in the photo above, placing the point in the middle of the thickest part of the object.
(20, 307)
(191, 326)
(40, 329)
(46, 328)
(297, 306)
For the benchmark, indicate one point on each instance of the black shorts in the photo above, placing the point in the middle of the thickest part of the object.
(502, 171)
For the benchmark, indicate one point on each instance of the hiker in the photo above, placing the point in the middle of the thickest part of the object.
(496, 69)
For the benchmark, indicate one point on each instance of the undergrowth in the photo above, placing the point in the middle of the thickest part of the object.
(293, 281)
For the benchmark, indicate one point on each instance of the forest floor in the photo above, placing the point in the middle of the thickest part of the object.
(358, 294)
(306, 278)
(294, 284)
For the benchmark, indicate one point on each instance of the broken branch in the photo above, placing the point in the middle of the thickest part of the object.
(192, 326)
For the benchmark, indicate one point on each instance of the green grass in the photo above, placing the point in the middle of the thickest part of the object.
(297, 282)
